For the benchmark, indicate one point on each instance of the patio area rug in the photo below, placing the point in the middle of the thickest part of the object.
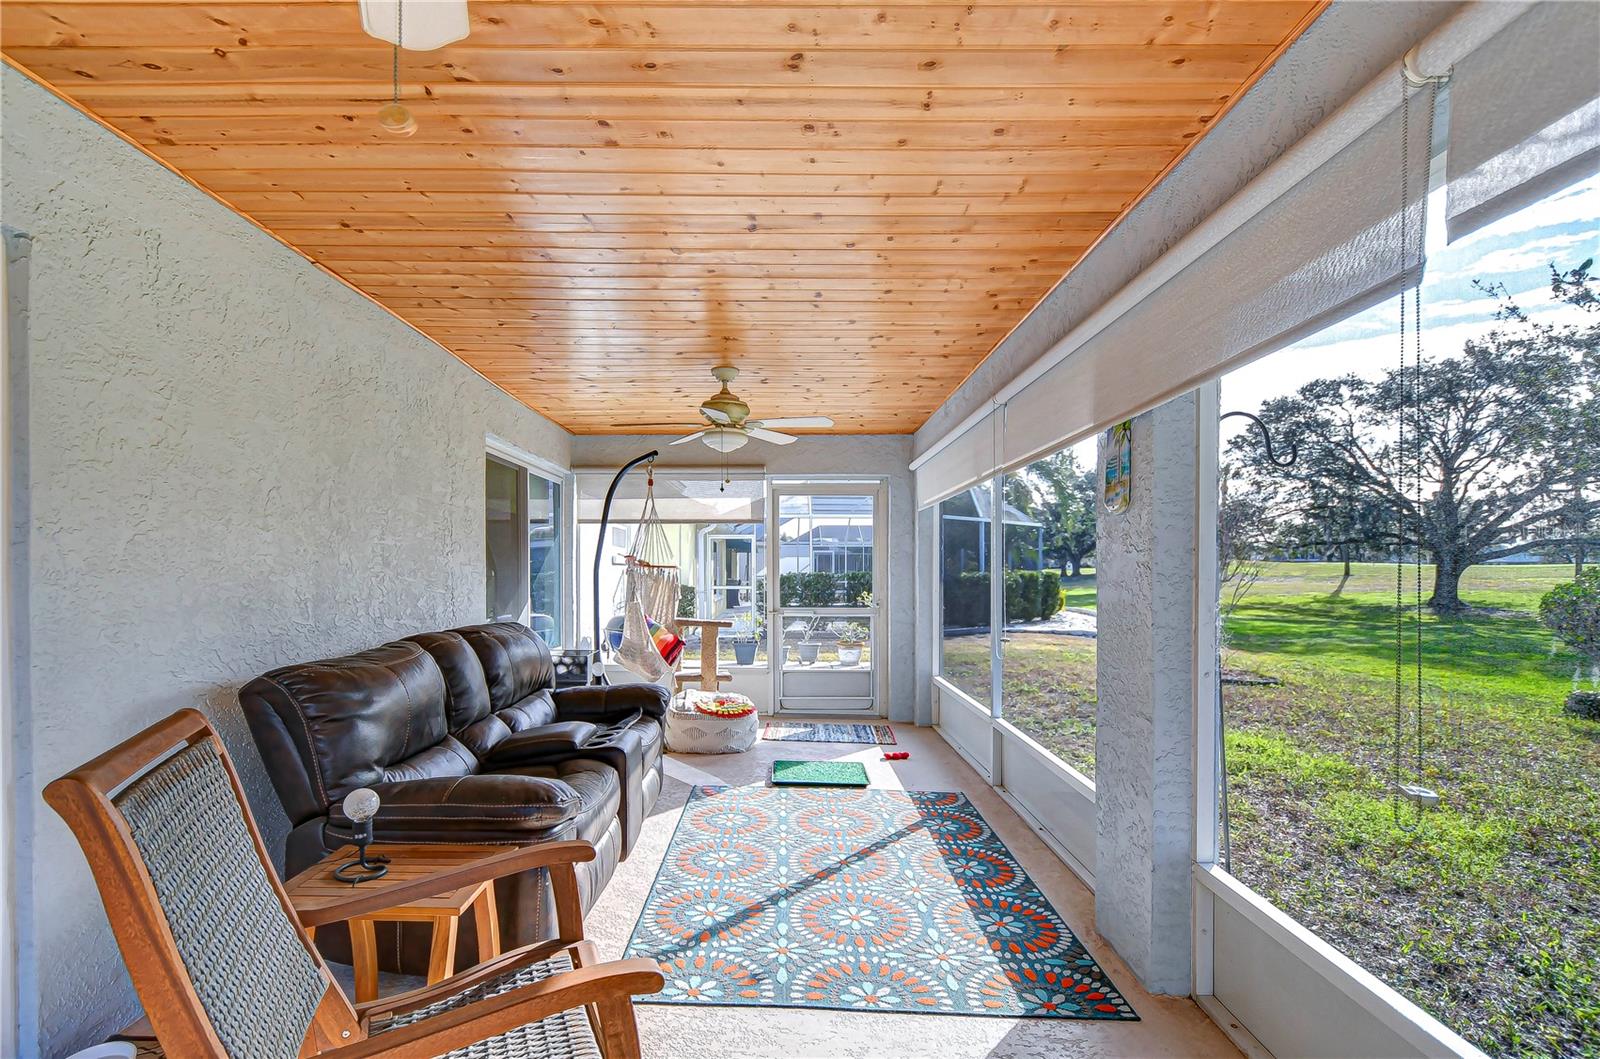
(860, 900)
(803, 732)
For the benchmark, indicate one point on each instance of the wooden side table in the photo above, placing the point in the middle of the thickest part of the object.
(316, 887)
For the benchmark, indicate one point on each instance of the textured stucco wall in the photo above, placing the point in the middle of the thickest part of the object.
(868, 455)
(233, 461)
(1344, 49)
(1144, 759)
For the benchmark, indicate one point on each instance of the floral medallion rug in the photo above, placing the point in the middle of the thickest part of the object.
(859, 900)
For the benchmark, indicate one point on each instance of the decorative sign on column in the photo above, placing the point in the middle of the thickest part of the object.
(1119, 467)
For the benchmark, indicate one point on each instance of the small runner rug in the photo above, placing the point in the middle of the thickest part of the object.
(882, 734)
(862, 900)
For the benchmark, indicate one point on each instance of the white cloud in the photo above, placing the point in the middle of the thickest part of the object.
(1555, 248)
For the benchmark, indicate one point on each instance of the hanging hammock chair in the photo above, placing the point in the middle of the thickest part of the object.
(650, 645)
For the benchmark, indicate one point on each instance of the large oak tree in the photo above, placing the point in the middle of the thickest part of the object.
(1061, 495)
(1509, 441)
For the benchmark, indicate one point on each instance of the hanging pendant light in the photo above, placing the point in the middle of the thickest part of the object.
(429, 24)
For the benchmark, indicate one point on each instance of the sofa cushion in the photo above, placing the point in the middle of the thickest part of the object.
(612, 702)
(325, 728)
(535, 711)
(443, 760)
(500, 808)
(516, 663)
(466, 690)
(536, 744)
(596, 785)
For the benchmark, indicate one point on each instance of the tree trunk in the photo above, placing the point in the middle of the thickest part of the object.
(1577, 559)
(1077, 565)
(1447, 571)
(1344, 553)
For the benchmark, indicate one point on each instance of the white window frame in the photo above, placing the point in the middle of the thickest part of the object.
(528, 463)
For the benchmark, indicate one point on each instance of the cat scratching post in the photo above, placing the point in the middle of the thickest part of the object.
(710, 677)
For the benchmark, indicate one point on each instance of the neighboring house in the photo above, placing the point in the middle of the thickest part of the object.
(966, 519)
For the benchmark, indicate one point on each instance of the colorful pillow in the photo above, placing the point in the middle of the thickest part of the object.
(667, 642)
(724, 705)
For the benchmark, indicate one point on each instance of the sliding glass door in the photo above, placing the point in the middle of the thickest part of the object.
(524, 557)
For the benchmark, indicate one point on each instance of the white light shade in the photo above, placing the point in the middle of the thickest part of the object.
(725, 440)
(361, 804)
(429, 24)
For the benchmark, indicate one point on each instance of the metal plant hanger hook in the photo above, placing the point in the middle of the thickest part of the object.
(394, 115)
(1266, 440)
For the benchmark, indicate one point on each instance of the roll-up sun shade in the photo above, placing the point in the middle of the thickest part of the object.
(1524, 115)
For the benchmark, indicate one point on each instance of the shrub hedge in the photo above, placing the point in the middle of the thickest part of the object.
(826, 590)
(857, 588)
(1030, 596)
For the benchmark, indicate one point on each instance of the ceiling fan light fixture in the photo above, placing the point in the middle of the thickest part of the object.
(725, 441)
(429, 24)
(725, 406)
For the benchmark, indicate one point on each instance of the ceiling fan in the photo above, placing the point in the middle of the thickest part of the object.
(730, 428)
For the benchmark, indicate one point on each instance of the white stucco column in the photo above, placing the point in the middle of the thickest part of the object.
(1144, 783)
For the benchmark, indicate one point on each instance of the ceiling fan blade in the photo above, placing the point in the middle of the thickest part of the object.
(792, 421)
(770, 435)
(716, 415)
(689, 437)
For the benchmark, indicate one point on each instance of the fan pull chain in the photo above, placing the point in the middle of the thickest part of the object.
(395, 116)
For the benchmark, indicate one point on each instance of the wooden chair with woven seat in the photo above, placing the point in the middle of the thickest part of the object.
(224, 967)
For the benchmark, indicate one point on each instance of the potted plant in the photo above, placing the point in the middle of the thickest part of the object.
(852, 640)
(807, 650)
(744, 640)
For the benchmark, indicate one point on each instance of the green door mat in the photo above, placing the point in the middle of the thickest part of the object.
(819, 774)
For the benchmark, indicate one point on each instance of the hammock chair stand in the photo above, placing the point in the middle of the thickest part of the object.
(596, 670)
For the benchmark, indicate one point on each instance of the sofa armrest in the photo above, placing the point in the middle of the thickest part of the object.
(610, 702)
(533, 745)
(506, 808)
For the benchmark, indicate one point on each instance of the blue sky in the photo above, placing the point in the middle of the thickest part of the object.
(1516, 250)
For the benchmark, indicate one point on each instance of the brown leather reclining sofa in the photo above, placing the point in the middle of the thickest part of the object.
(466, 740)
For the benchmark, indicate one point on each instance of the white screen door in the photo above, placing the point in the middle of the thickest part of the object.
(826, 616)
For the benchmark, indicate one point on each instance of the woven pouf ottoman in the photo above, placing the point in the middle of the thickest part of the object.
(712, 722)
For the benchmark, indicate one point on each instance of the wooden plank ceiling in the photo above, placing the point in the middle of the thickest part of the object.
(852, 202)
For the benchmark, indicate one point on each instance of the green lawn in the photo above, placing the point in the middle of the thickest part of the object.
(1049, 693)
(1078, 592)
(1486, 911)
